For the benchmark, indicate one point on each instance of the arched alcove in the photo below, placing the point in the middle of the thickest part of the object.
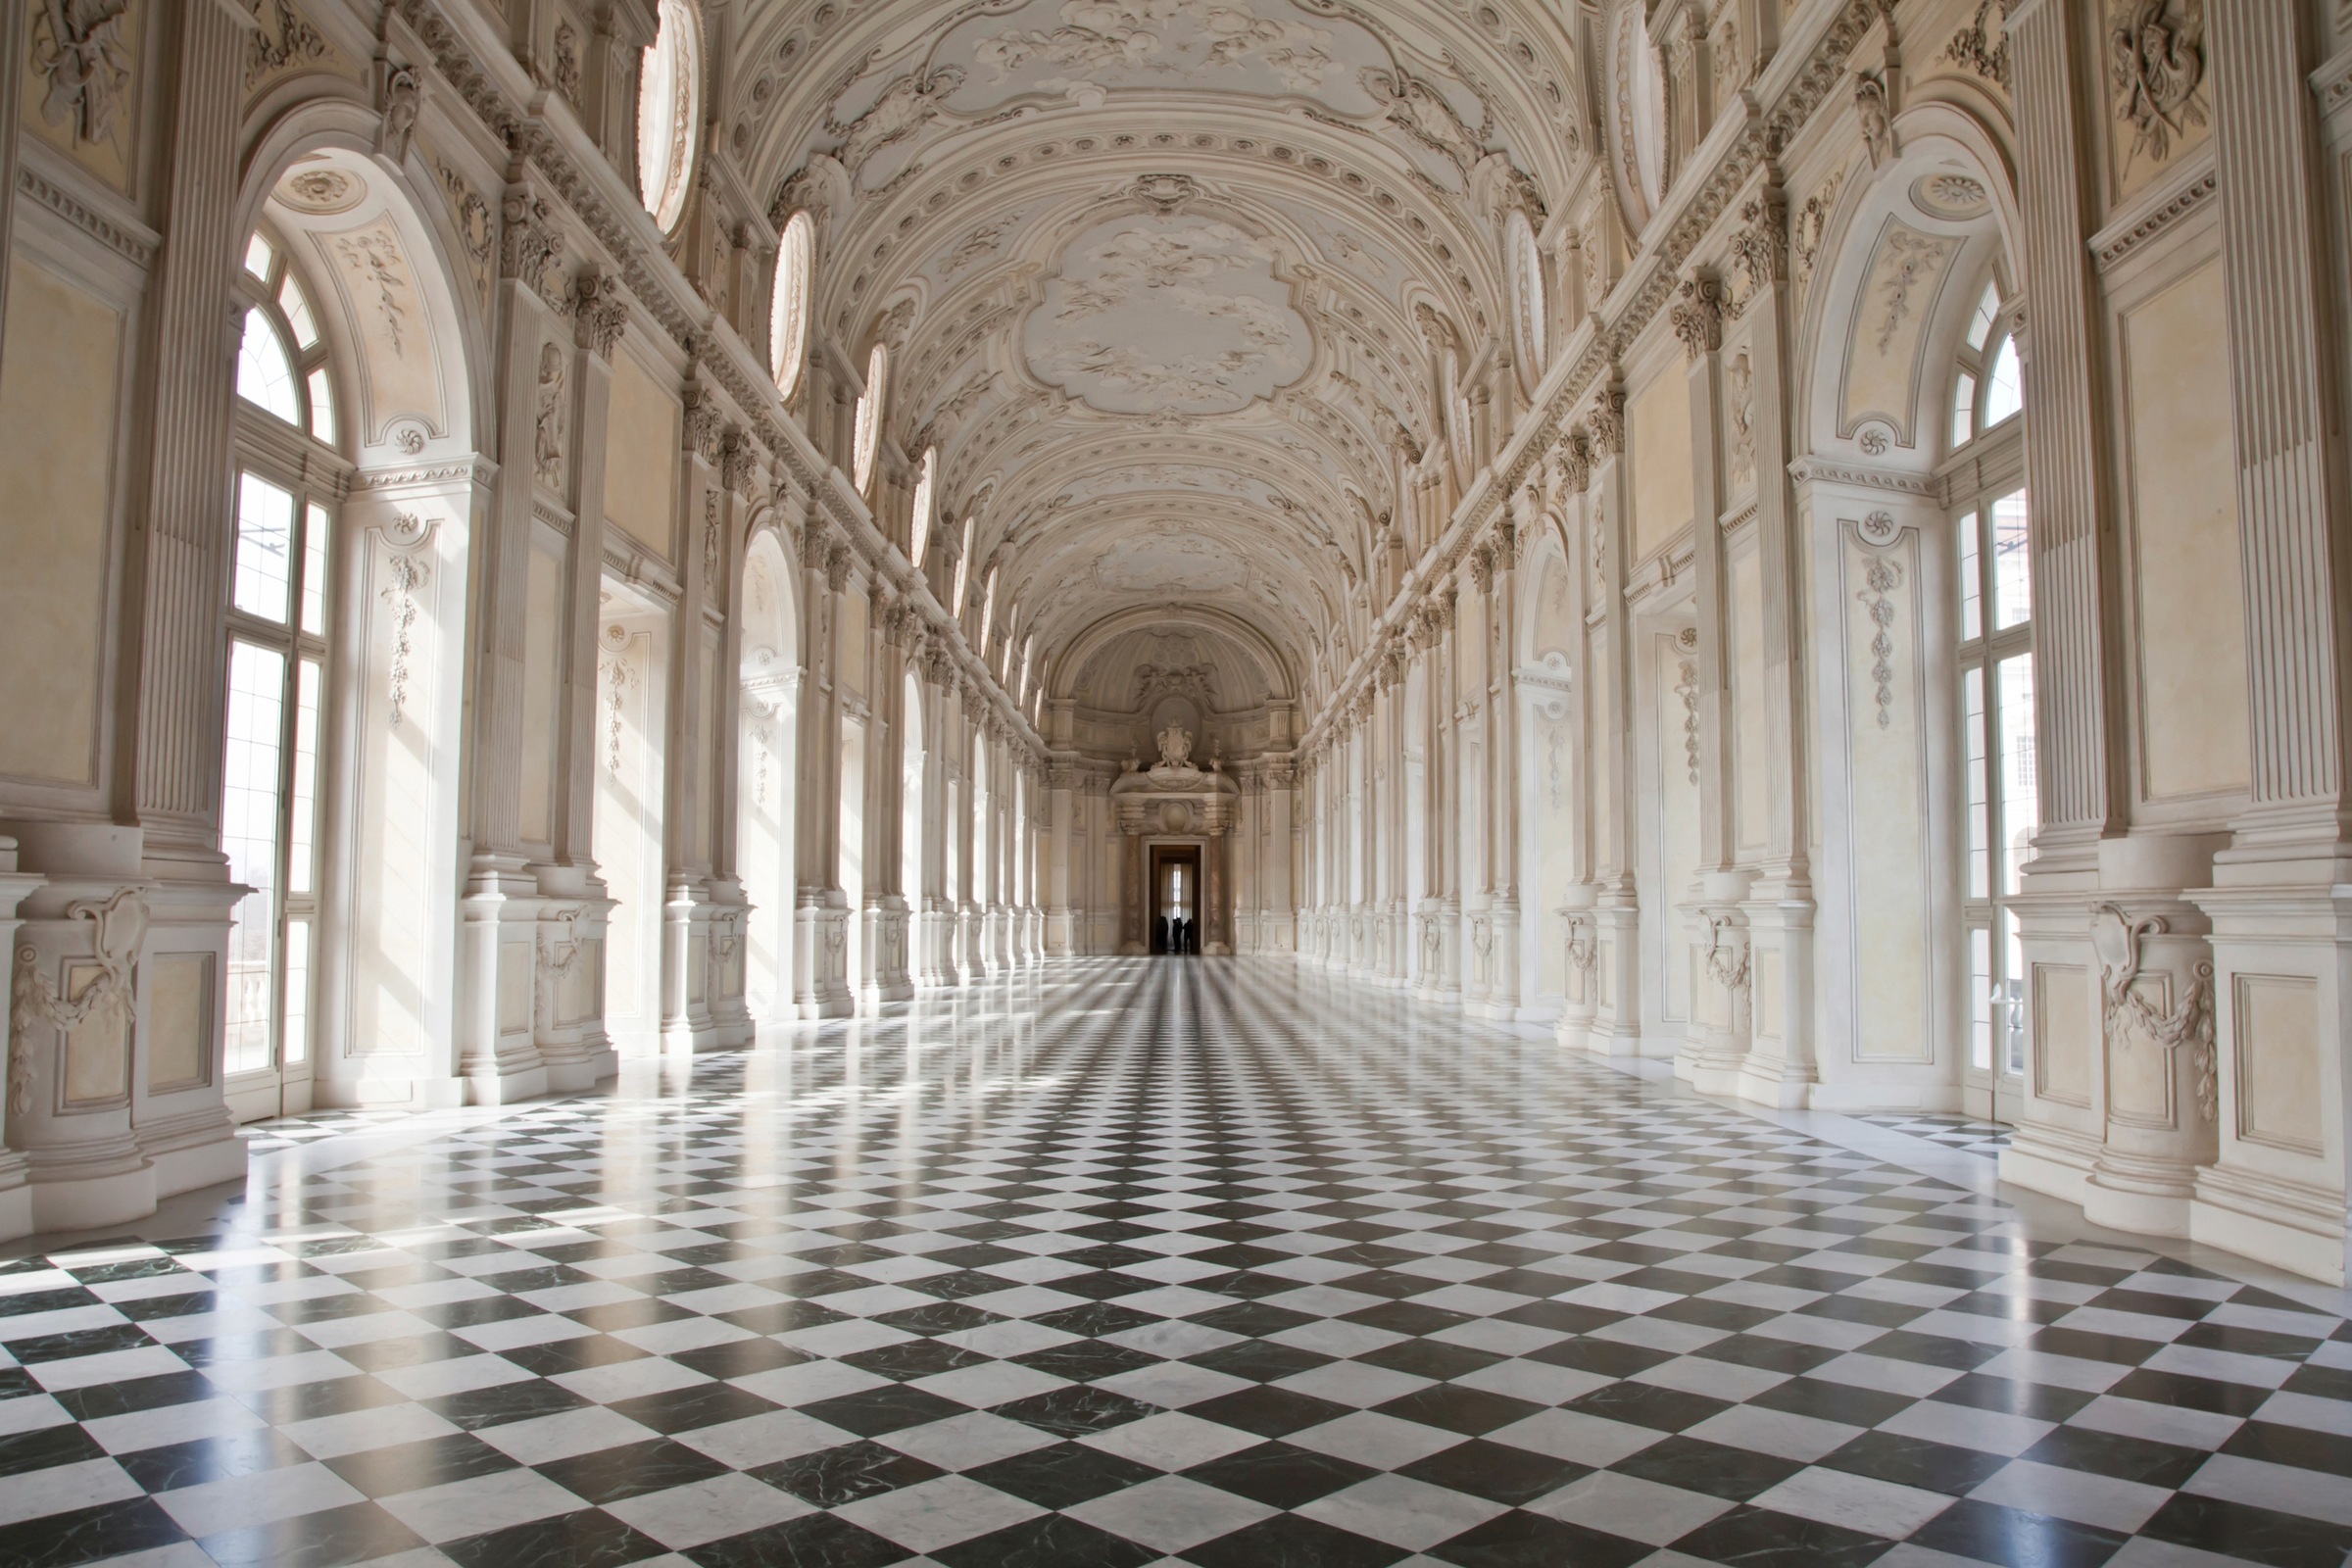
(359, 954)
(1907, 260)
(768, 716)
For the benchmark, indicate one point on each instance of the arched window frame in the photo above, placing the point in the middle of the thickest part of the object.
(788, 306)
(1983, 397)
(1999, 795)
(273, 283)
(290, 480)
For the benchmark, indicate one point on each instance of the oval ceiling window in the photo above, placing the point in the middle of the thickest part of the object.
(788, 317)
(1525, 263)
(925, 478)
(867, 439)
(1637, 116)
(669, 101)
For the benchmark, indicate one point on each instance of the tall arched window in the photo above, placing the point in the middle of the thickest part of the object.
(866, 438)
(277, 654)
(925, 503)
(669, 102)
(1995, 622)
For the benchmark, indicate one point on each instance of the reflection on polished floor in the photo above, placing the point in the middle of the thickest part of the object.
(1124, 1262)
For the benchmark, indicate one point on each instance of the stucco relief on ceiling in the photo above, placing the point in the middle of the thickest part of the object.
(1168, 564)
(1153, 313)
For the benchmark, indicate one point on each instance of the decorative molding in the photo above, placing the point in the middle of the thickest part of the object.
(121, 927)
(547, 440)
(1584, 943)
(472, 471)
(1982, 45)
(1881, 576)
(1685, 687)
(1824, 471)
(80, 50)
(2120, 943)
(2156, 67)
(1728, 966)
(133, 244)
(2117, 241)
(1698, 317)
(281, 40)
(410, 568)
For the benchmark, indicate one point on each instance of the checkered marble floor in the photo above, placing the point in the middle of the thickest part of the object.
(1148, 1261)
(284, 1132)
(1982, 1138)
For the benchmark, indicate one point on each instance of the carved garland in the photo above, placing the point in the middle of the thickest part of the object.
(1584, 943)
(1727, 966)
(120, 923)
(408, 569)
(1882, 576)
(2119, 940)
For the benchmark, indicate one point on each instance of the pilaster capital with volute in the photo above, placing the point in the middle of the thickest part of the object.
(1574, 459)
(739, 460)
(600, 312)
(705, 431)
(1699, 316)
(1760, 246)
(1604, 422)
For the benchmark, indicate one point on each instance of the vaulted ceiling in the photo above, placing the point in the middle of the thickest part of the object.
(1160, 275)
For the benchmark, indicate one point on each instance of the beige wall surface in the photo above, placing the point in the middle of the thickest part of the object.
(1659, 433)
(2193, 644)
(642, 459)
(57, 442)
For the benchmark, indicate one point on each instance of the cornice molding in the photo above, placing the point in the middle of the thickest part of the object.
(1823, 471)
(2146, 221)
(133, 242)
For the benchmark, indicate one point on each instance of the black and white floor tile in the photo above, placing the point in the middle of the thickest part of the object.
(1982, 1138)
(1148, 1261)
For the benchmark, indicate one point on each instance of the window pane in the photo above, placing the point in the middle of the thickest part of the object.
(313, 571)
(2004, 393)
(298, 991)
(1972, 580)
(257, 257)
(2013, 989)
(302, 831)
(298, 313)
(1981, 322)
(1980, 828)
(264, 378)
(323, 405)
(2012, 563)
(249, 784)
(264, 534)
(1964, 409)
(1980, 998)
(2021, 801)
